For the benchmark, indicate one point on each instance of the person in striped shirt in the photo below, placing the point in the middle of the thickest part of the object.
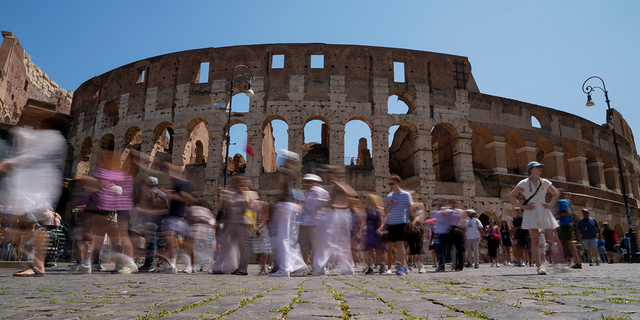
(398, 208)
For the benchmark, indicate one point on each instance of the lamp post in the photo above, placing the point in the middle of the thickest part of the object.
(635, 255)
(246, 77)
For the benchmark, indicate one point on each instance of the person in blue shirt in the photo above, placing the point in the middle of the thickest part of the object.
(565, 220)
(588, 230)
(627, 246)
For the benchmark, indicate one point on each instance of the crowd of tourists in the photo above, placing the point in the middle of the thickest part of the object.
(147, 219)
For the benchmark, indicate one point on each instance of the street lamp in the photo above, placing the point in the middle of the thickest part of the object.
(246, 77)
(610, 121)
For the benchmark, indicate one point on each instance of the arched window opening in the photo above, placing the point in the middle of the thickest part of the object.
(610, 174)
(516, 161)
(111, 115)
(442, 146)
(572, 167)
(240, 101)
(84, 159)
(535, 123)
(402, 152)
(593, 169)
(237, 149)
(169, 135)
(198, 153)
(315, 150)
(396, 106)
(357, 144)
(275, 137)
(107, 142)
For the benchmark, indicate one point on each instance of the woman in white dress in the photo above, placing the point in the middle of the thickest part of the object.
(536, 211)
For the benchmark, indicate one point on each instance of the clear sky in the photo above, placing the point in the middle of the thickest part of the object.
(533, 51)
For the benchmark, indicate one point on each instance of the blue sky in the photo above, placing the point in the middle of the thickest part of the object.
(534, 51)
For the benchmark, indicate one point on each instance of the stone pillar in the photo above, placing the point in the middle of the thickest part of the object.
(215, 160)
(627, 181)
(180, 140)
(596, 174)
(296, 138)
(424, 162)
(497, 156)
(336, 149)
(462, 163)
(147, 147)
(380, 154)
(578, 170)
(525, 155)
(635, 186)
(380, 96)
(554, 165)
(254, 164)
(93, 163)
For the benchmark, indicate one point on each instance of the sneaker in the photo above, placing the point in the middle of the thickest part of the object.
(97, 267)
(508, 263)
(440, 269)
(369, 271)
(123, 270)
(497, 265)
(591, 264)
(421, 270)
(383, 270)
(168, 269)
(146, 268)
(476, 266)
(280, 273)
(400, 271)
(80, 269)
(542, 270)
(302, 272)
(576, 266)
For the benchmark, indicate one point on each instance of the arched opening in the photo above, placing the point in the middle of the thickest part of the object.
(516, 157)
(84, 158)
(68, 164)
(481, 158)
(107, 142)
(610, 176)
(198, 153)
(593, 169)
(357, 144)
(619, 231)
(586, 132)
(572, 167)
(197, 147)
(315, 150)
(237, 149)
(275, 137)
(403, 151)
(396, 106)
(540, 120)
(443, 137)
(240, 102)
(163, 146)
(535, 123)
(110, 115)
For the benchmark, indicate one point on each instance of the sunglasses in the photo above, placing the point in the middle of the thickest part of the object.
(392, 183)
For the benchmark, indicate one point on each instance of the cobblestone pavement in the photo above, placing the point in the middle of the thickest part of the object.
(599, 292)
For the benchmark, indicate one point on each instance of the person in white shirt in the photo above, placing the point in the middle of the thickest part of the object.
(473, 234)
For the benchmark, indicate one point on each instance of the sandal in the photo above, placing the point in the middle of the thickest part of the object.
(239, 273)
(36, 273)
(576, 266)
(261, 273)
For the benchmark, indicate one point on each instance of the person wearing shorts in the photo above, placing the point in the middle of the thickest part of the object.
(588, 230)
(565, 220)
(398, 208)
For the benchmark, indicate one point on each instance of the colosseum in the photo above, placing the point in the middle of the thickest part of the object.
(454, 142)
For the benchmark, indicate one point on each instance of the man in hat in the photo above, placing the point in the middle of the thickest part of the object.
(313, 213)
(587, 230)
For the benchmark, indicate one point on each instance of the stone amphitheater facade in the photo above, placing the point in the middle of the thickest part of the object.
(453, 143)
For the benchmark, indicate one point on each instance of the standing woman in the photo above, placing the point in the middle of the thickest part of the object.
(492, 233)
(505, 233)
(536, 211)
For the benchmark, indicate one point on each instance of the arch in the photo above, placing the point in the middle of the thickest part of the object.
(68, 164)
(357, 143)
(237, 149)
(543, 119)
(619, 231)
(516, 161)
(395, 105)
(610, 176)
(443, 136)
(275, 136)
(481, 158)
(107, 142)
(198, 154)
(593, 169)
(486, 216)
(403, 150)
(316, 138)
(543, 146)
(84, 158)
(198, 132)
(586, 132)
(111, 115)
(572, 168)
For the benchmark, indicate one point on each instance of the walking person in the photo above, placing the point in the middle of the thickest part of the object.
(505, 235)
(398, 209)
(457, 219)
(374, 244)
(492, 234)
(609, 242)
(415, 233)
(473, 234)
(601, 250)
(565, 219)
(536, 210)
(588, 231)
